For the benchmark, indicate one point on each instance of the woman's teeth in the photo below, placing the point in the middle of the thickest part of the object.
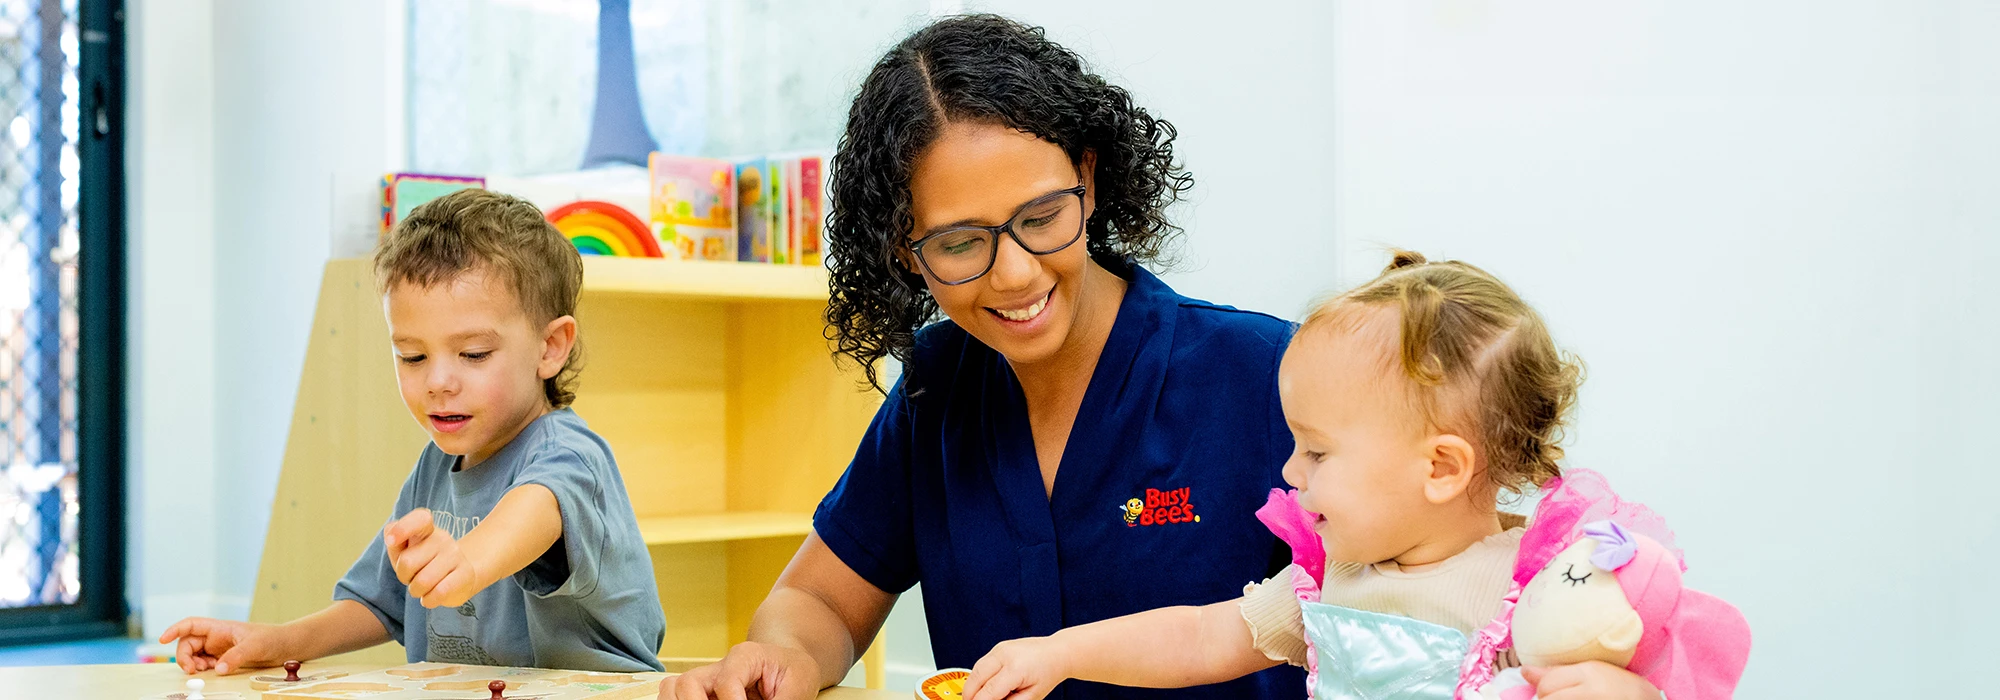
(1027, 314)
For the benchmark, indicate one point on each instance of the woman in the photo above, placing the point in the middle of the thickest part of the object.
(1074, 441)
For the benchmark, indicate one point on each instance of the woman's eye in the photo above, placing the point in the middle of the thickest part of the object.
(1038, 222)
(410, 359)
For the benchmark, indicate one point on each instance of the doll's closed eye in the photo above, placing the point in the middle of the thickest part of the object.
(1572, 580)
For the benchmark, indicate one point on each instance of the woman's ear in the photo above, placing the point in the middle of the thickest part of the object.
(1088, 171)
(557, 339)
(1454, 464)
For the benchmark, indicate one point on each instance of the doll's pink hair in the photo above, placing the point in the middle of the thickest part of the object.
(1568, 502)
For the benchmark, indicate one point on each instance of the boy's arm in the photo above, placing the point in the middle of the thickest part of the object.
(1165, 648)
(339, 628)
(447, 573)
(229, 646)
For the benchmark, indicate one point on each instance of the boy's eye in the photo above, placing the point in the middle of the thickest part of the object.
(410, 359)
(476, 356)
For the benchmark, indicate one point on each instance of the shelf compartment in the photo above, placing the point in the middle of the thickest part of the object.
(704, 280)
(722, 527)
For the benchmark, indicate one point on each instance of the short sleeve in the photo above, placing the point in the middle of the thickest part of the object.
(1277, 626)
(866, 519)
(372, 580)
(570, 568)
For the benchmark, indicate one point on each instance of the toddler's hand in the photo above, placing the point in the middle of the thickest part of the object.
(227, 646)
(428, 560)
(1590, 680)
(1020, 669)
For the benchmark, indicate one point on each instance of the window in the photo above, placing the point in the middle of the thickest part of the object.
(61, 264)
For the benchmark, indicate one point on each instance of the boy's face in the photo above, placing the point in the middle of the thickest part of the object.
(470, 363)
(1360, 460)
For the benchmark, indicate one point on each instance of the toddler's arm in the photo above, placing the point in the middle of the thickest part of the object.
(443, 572)
(1165, 648)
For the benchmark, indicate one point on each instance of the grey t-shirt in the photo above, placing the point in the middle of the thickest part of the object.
(587, 604)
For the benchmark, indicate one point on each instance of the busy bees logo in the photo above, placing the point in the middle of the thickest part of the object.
(1159, 508)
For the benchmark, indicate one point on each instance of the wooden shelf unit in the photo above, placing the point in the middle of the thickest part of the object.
(711, 381)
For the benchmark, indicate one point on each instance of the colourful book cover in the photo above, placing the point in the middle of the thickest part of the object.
(753, 223)
(781, 223)
(810, 212)
(693, 203)
(402, 192)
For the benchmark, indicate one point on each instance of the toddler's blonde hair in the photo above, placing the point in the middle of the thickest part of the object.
(1479, 362)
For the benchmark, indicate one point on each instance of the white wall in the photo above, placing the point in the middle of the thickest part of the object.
(249, 119)
(302, 117)
(1769, 229)
(171, 367)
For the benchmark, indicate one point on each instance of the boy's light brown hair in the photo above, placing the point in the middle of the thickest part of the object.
(1479, 360)
(503, 236)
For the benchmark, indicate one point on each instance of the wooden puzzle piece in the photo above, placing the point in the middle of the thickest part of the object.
(292, 677)
(340, 689)
(194, 691)
(467, 682)
(416, 671)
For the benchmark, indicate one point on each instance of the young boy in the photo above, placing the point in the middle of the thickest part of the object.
(513, 542)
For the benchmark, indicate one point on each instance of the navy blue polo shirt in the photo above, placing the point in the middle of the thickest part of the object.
(1179, 440)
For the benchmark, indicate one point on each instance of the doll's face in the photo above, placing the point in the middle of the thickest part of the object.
(1573, 612)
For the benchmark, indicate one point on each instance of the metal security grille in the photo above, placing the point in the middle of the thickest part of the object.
(39, 326)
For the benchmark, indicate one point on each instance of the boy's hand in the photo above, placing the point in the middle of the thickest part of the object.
(1027, 669)
(224, 645)
(429, 561)
(1590, 680)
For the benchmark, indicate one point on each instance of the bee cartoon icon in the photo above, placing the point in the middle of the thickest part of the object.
(1132, 509)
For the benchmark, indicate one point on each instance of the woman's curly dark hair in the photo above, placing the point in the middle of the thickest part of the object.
(990, 69)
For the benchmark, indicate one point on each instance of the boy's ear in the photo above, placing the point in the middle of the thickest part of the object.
(557, 339)
(1454, 464)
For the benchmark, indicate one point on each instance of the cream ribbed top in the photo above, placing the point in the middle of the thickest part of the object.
(1462, 592)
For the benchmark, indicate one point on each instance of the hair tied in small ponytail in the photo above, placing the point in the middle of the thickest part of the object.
(1405, 258)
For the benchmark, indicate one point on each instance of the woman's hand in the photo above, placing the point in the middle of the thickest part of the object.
(751, 670)
(1590, 680)
(1020, 669)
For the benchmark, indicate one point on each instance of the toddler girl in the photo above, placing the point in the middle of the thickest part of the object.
(1415, 401)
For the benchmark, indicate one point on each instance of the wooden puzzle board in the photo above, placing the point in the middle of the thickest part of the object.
(430, 681)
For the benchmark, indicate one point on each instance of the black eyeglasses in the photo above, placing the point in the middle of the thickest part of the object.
(962, 254)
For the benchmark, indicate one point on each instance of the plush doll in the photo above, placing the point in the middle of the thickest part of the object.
(1616, 596)
(1598, 579)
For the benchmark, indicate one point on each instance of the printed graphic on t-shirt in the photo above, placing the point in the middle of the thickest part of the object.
(1171, 506)
(450, 637)
(456, 525)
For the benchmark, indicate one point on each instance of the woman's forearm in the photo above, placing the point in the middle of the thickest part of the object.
(797, 619)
